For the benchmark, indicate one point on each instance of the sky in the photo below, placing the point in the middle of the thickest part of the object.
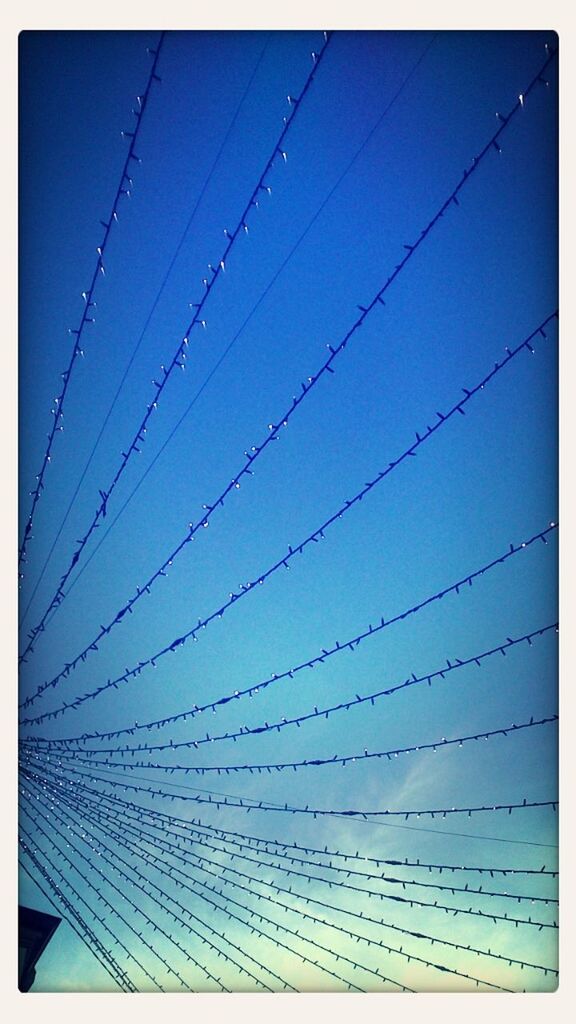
(375, 148)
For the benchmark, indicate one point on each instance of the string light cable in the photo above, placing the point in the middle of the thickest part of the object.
(162, 843)
(361, 821)
(314, 537)
(153, 308)
(326, 367)
(279, 944)
(90, 937)
(79, 758)
(410, 249)
(254, 308)
(176, 852)
(143, 855)
(121, 838)
(138, 909)
(125, 898)
(61, 746)
(74, 799)
(157, 843)
(253, 804)
(33, 818)
(122, 192)
(383, 877)
(166, 846)
(290, 850)
(179, 358)
(181, 854)
(168, 873)
(42, 742)
(190, 915)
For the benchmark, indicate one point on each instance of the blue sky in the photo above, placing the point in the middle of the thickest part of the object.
(484, 278)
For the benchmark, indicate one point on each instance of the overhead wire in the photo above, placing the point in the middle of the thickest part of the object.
(89, 936)
(326, 367)
(196, 825)
(290, 850)
(314, 537)
(369, 941)
(32, 747)
(86, 818)
(101, 898)
(168, 967)
(256, 306)
(93, 948)
(190, 914)
(254, 804)
(162, 843)
(80, 758)
(383, 878)
(147, 322)
(176, 852)
(60, 745)
(410, 249)
(178, 359)
(88, 296)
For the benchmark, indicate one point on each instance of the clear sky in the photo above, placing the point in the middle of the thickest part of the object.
(415, 109)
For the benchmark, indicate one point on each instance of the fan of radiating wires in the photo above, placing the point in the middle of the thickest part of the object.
(383, 716)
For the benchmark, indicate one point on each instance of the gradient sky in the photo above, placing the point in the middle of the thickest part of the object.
(482, 280)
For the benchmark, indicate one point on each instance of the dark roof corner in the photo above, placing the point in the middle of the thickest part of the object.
(35, 929)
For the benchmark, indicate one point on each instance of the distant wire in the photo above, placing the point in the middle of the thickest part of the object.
(80, 758)
(256, 306)
(179, 357)
(314, 537)
(122, 190)
(159, 294)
